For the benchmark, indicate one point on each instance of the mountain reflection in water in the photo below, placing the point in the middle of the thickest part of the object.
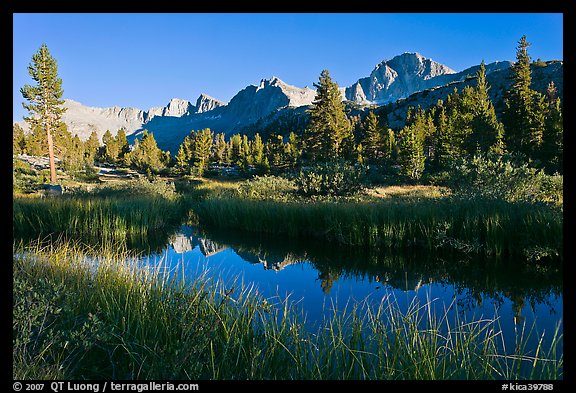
(321, 278)
(473, 280)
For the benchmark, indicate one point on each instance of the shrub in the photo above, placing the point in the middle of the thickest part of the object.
(505, 177)
(336, 178)
(25, 179)
(552, 188)
(267, 187)
(88, 173)
(382, 174)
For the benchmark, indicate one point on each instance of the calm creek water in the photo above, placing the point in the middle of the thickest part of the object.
(321, 277)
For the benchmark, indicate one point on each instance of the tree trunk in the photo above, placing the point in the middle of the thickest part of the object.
(51, 156)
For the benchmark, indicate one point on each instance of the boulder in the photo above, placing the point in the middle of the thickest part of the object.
(52, 190)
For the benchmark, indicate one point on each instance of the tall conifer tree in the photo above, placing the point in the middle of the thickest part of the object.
(487, 131)
(220, 151)
(203, 141)
(329, 132)
(44, 99)
(517, 116)
(122, 143)
(552, 141)
(91, 146)
(373, 141)
(411, 155)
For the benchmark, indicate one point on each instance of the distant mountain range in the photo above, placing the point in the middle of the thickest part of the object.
(409, 79)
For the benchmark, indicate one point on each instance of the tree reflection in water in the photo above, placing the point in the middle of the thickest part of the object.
(472, 278)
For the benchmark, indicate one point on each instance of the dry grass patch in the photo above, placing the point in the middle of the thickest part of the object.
(405, 191)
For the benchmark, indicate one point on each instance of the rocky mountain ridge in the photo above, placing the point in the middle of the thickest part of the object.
(257, 106)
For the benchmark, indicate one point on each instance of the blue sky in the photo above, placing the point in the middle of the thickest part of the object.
(144, 60)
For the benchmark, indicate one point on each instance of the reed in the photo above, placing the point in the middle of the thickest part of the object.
(99, 314)
(135, 220)
(489, 227)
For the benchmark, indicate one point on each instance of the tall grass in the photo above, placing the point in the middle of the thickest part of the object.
(135, 220)
(490, 227)
(98, 314)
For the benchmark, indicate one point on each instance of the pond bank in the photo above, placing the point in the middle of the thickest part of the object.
(129, 323)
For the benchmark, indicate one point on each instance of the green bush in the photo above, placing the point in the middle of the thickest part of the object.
(25, 179)
(336, 178)
(267, 187)
(506, 177)
(552, 188)
(88, 173)
(382, 174)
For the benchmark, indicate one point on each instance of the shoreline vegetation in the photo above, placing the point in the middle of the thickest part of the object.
(484, 227)
(426, 219)
(82, 315)
(76, 319)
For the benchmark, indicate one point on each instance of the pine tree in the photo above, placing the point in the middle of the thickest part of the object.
(184, 154)
(235, 148)
(202, 142)
(441, 158)
(360, 155)
(411, 154)
(151, 152)
(109, 149)
(36, 142)
(258, 157)
(122, 144)
(44, 99)
(276, 153)
(373, 141)
(257, 149)
(73, 159)
(62, 140)
(292, 150)
(18, 140)
(537, 124)
(246, 159)
(166, 159)
(390, 146)
(220, 151)
(146, 156)
(552, 152)
(459, 108)
(426, 131)
(518, 113)
(486, 131)
(91, 146)
(462, 127)
(329, 133)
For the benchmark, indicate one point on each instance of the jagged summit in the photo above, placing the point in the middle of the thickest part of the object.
(396, 78)
(415, 63)
(271, 94)
(205, 103)
(273, 81)
(177, 107)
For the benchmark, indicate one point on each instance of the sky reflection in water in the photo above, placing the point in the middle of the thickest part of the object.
(320, 278)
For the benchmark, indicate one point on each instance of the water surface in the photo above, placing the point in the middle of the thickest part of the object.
(320, 278)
